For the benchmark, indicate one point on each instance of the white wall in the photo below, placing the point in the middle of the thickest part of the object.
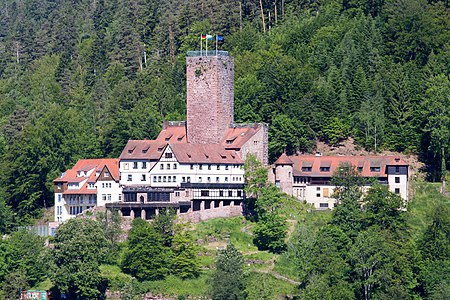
(108, 191)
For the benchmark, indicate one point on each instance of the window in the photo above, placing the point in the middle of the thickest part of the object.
(159, 178)
(177, 194)
(174, 178)
(109, 197)
(209, 167)
(217, 179)
(230, 193)
(106, 174)
(188, 179)
(175, 166)
(323, 205)
(143, 177)
(161, 166)
(318, 195)
(226, 167)
(218, 167)
(120, 197)
(164, 178)
(59, 198)
(103, 185)
(220, 193)
(168, 166)
(374, 169)
(169, 179)
(318, 188)
(397, 179)
(239, 193)
(226, 179)
(397, 169)
(104, 197)
(324, 169)
(397, 191)
(154, 178)
(199, 179)
(183, 179)
(135, 165)
(130, 177)
(200, 167)
(306, 169)
(192, 167)
(125, 166)
(144, 165)
(204, 193)
(360, 169)
(168, 155)
(209, 179)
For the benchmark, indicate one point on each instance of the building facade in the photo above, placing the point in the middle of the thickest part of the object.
(90, 183)
(308, 178)
(191, 166)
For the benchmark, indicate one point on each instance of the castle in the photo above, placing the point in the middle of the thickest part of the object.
(191, 166)
(197, 165)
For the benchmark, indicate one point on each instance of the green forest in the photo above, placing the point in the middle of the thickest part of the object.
(80, 78)
(281, 250)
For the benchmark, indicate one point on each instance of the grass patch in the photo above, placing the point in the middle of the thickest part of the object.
(426, 196)
(237, 230)
(175, 286)
(116, 279)
(265, 286)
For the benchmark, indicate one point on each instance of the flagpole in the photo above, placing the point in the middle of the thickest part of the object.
(201, 45)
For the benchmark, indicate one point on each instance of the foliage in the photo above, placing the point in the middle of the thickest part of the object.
(80, 247)
(227, 280)
(270, 233)
(164, 223)
(146, 257)
(184, 259)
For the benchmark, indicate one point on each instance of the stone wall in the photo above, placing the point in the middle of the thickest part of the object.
(212, 213)
(284, 174)
(210, 98)
(257, 145)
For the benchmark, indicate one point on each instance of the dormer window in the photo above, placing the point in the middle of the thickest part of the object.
(306, 169)
(130, 150)
(145, 149)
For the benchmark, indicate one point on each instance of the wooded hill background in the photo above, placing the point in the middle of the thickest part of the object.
(79, 78)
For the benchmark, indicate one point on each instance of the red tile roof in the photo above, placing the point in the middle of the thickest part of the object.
(236, 137)
(86, 165)
(283, 160)
(333, 162)
(143, 149)
(173, 132)
(205, 153)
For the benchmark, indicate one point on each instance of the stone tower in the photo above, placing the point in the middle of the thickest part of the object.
(210, 97)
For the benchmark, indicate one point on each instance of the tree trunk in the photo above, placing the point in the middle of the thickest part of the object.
(275, 10)
(262, 16)
(240, 15)
(443, 170)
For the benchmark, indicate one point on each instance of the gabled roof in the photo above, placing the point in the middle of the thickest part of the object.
(86, 165)
(369, 166)
(236, 137)
(143, 149)
(205, 154)
(172, 132)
